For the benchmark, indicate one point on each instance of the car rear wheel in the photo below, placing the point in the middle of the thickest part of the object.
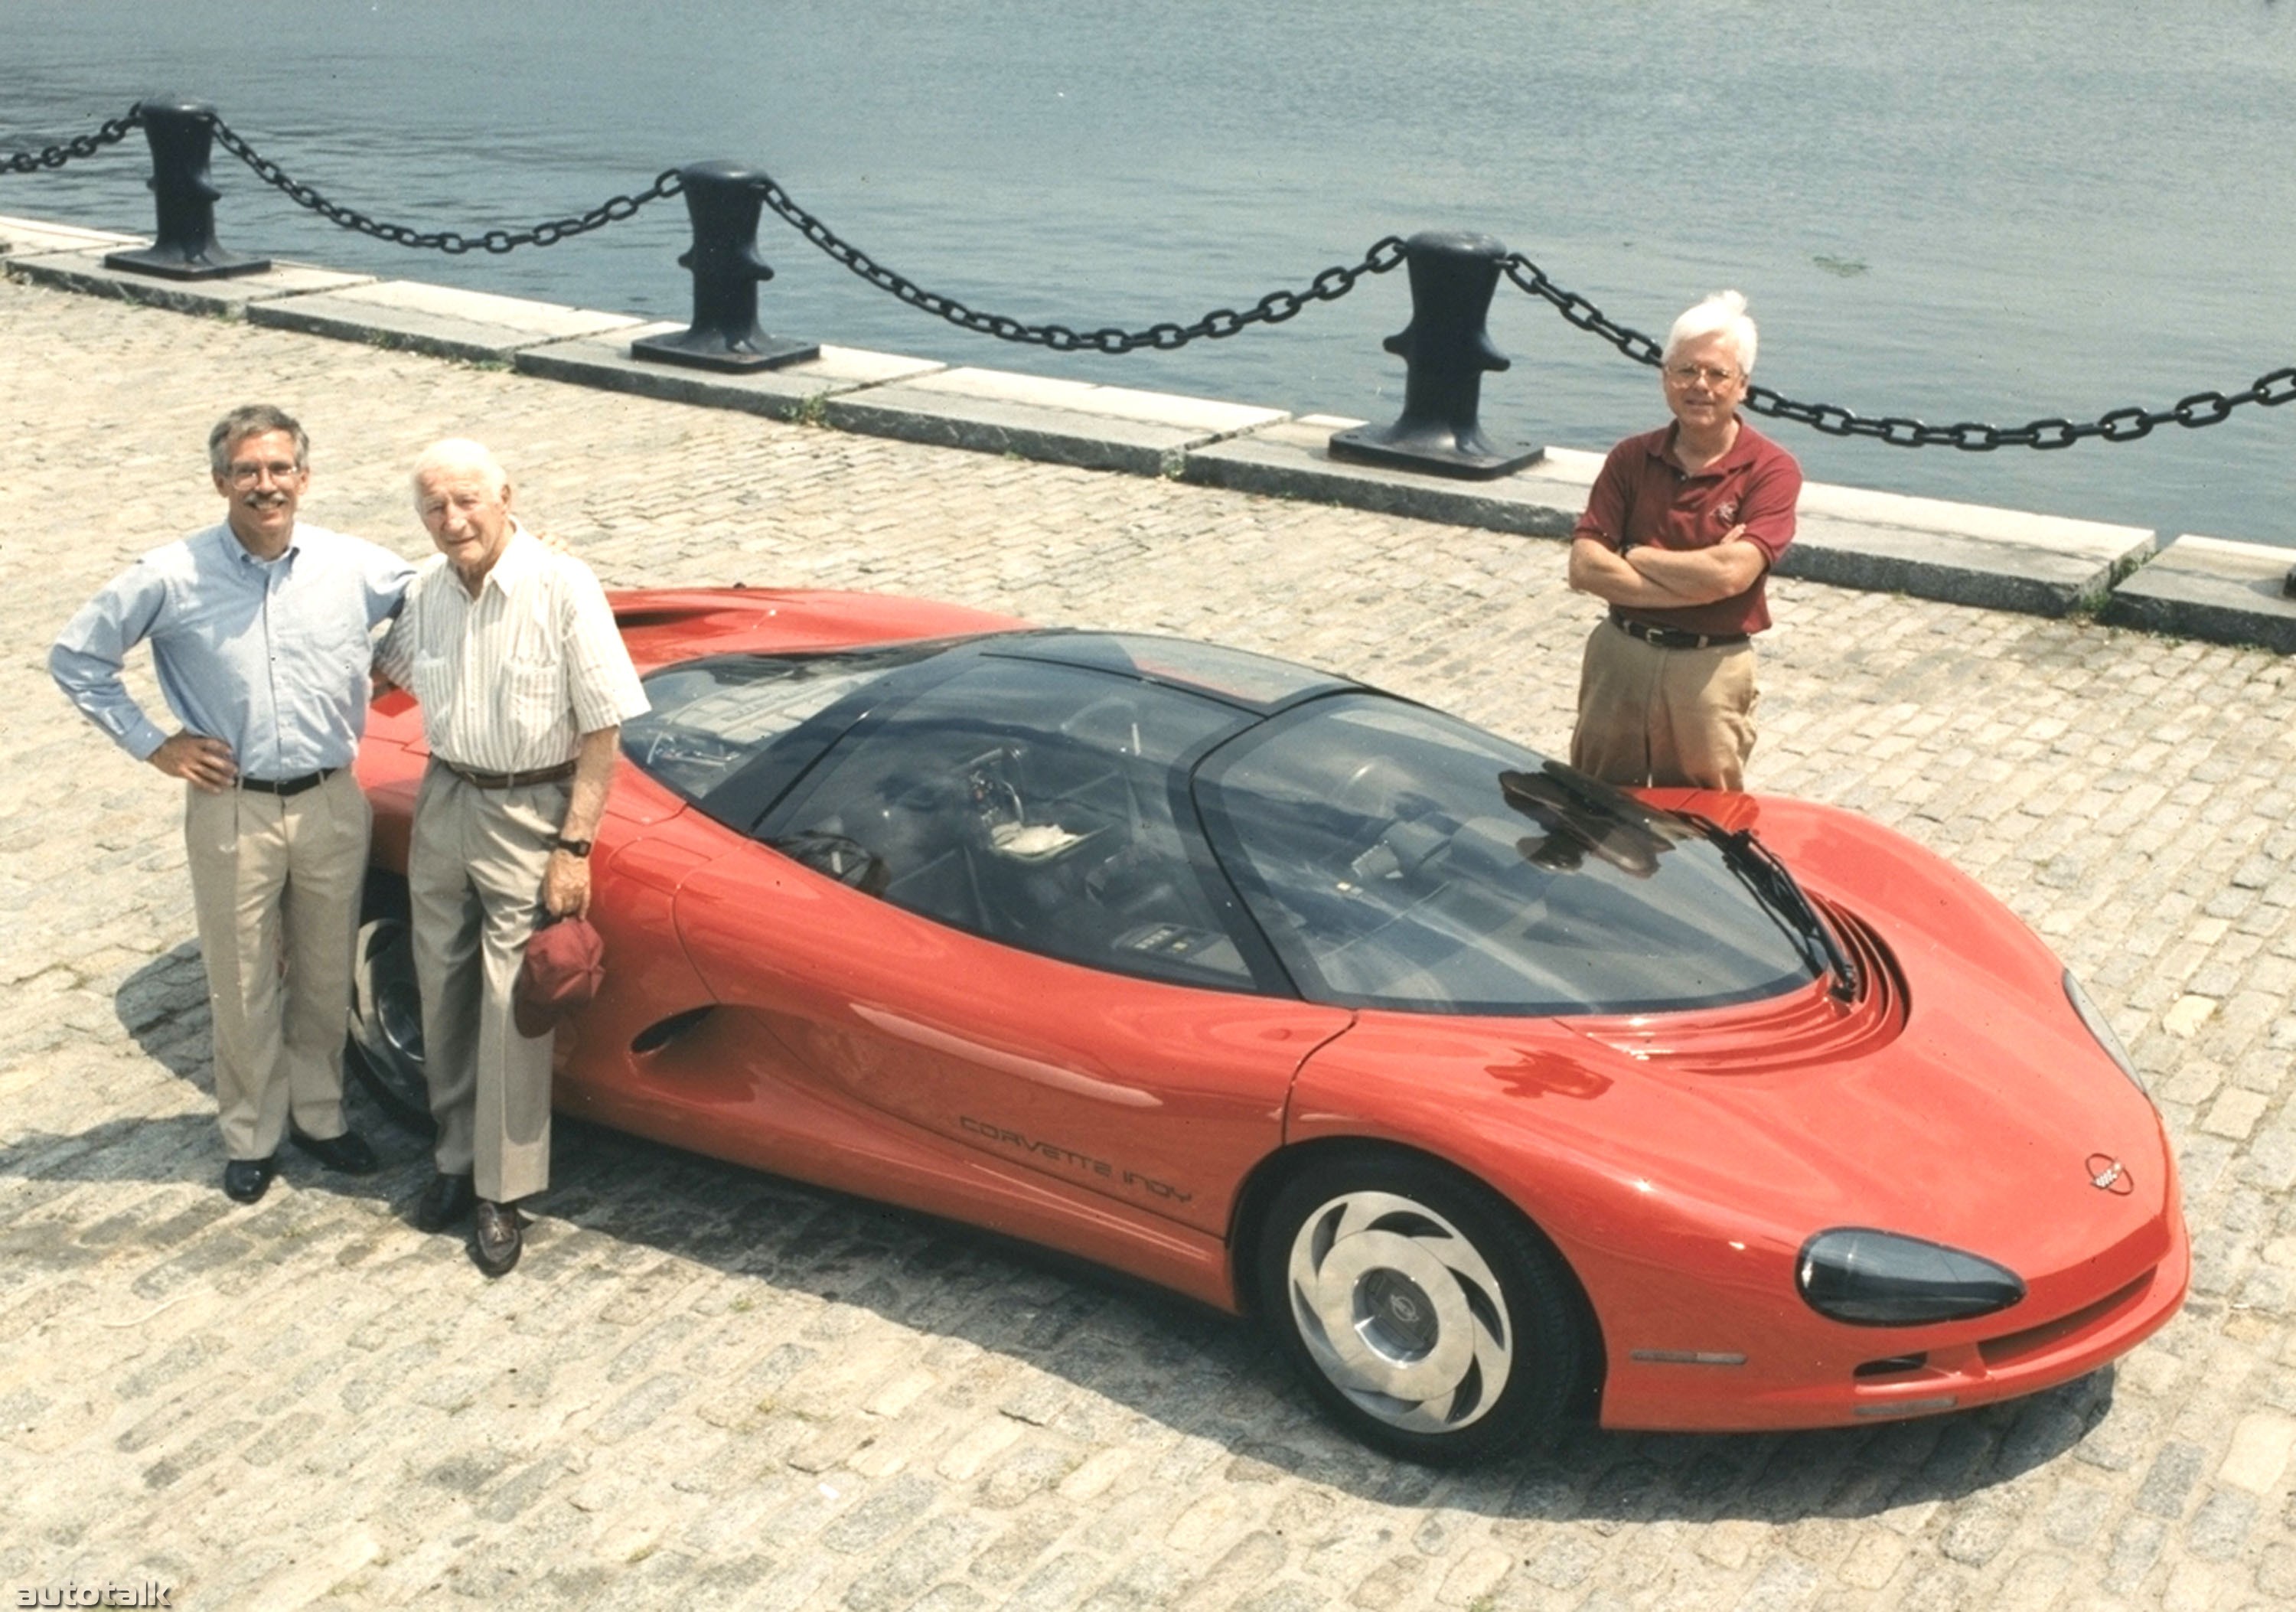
(1426, 1314)
(385, 1054)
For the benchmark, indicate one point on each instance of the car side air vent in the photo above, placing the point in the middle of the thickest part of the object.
(659, 1034)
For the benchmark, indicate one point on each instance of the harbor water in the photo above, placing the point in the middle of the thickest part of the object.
(1960, 210)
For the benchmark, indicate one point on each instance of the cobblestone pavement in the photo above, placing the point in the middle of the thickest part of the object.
(706, 1387)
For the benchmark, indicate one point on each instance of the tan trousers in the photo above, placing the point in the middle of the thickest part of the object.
(1669, 718)
(474, 881)
(275, 886)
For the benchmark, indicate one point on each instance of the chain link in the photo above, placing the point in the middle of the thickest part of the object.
(1274, 309)
(2117, 425)
(2126, 424)
(612, 210)
(110, 132)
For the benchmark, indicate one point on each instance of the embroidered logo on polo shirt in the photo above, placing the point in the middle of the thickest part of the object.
(1727, 511)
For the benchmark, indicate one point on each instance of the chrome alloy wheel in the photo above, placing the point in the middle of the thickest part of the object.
(386, 1027)
(1400, 1313)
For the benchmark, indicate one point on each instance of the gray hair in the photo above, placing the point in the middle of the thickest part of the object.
(459, 453)
(1723, 314)
(253, 420)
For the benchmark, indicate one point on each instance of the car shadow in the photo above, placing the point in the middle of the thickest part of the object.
(1192, 1369)
(1205, 1373)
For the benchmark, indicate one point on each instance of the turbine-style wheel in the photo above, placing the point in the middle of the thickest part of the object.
(386, 1031)
(1425, 1313)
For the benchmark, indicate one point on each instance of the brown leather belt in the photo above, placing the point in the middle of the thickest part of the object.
(506, 780)
(285, 786)
(1673, 638)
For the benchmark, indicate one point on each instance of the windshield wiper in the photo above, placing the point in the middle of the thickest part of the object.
(1758, 870)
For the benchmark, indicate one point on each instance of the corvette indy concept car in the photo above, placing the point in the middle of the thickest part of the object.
(1501, 1096)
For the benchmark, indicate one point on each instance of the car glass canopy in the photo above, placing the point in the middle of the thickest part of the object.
(1397, 857)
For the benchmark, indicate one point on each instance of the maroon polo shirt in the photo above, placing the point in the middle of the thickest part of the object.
(1643, 496)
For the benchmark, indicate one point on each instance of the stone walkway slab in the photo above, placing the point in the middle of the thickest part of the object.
(785, 393)
(30, 238)
(476, 325)
(1294, 460)
(87, 273)
(1058, 422)
(2213, 588)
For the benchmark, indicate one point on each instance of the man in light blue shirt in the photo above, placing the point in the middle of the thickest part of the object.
(259, 631)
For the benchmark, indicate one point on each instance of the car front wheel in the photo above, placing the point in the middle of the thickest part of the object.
(1425, 1313)
(386, 1031)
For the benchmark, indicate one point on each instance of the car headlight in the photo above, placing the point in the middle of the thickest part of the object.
(1879, 1279)
(2094, 1017)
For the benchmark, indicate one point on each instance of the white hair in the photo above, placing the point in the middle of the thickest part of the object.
(1723, 314)
(459, 453)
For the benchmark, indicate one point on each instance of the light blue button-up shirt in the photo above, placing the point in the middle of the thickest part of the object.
(270, 656)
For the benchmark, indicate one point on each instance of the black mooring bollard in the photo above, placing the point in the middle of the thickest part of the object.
(1446, 350)
(723, 200)
(182, 133)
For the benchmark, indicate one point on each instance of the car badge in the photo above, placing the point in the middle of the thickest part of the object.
(2106, 1173)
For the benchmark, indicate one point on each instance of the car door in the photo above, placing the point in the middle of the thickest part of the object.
(991, 919)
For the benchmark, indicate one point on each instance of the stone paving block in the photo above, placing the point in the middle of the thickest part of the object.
(790, 392)
(475, 325)
(87, 272)
(1060, 422)
(2213, 588)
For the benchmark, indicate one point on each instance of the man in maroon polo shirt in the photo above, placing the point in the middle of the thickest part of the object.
(1680, 531)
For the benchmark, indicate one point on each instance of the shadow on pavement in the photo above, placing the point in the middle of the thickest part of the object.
(1194, 1370)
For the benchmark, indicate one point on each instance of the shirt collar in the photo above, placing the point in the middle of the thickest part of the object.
(521, 555)
(1741, 450)
(231, 546)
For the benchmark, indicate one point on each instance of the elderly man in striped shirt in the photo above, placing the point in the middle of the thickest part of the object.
(511, 649)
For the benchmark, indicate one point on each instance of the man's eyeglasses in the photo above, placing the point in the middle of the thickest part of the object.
(241, 473)
(1713, 374)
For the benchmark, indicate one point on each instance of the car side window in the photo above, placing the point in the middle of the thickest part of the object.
(1032, 804)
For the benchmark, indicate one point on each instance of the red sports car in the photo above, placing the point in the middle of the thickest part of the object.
(1502, 1095)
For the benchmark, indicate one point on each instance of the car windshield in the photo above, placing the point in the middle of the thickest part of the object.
(1397, 857)
(709, 719)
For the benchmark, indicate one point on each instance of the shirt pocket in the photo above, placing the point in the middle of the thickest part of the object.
(535, 691)
(338, 642)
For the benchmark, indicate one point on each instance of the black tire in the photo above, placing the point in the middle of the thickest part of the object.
(385, 1050)
(1426, 1314)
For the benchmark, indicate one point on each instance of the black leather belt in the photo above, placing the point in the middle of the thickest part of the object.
(507, 780)
(309, 780)
(1672, 637)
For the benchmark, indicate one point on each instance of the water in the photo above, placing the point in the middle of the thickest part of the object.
(1960, 210)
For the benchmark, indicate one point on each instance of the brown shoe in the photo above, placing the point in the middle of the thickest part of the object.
(496, 1247)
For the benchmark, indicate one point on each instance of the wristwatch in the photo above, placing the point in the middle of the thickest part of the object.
(580, 848)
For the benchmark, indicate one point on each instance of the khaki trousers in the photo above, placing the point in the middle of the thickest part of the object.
(1669, 718)
(474, 882)
(275, 888)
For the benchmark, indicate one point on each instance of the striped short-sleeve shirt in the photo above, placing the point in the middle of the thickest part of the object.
(511, 681)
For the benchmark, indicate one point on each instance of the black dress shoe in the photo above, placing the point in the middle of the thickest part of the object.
(495, 1248)
(445, 1200)
(348, 1153)
(245, 1179)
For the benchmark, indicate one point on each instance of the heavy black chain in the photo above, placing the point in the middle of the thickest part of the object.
(1273, 308)
(2116, 426)
(550, 233)
(112, 132)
